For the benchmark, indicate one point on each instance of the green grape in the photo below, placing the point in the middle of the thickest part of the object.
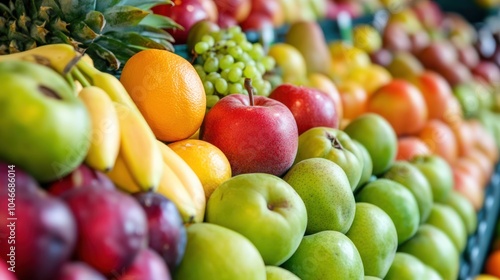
(221, 86)
(208, 39)
(251, 72)
(217, 35)
(211, 64)
(212, 100)
(226, 62)
(224, 74)
(257, 52)
(245, 46)
(212, 77)
(234, 74)
(233, 30)
(268, 62)
(260, 67)
(201, 47)
(231, 43)
(239, 64)
(209, 87)
(245, 57)
(239, 37)
(234, 88)
(200, 71)
(258, 85)
(267, 88)
(235, 51)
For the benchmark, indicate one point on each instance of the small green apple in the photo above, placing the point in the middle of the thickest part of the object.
(449, 221)
(465, 209)
(326, 255)
(278, 273)
(406, 266)
(438, 173)
(263, 208)
(45, 128)
(325, 190)
(366, 173)
(335, 145)
(215, 252)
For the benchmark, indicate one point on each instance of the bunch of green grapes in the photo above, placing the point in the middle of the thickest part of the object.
(225, 58)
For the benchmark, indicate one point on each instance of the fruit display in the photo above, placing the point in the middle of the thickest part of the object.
(239, 139)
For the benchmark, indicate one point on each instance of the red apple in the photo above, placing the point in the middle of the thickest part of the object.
(5, 274)
(411, 146)
(310, 107)
(83, 176)
(261, 23)
(429, 13)
(147, 265)
(78, 271)
(225, 21)
(211, 9)
(395, 38)
(401, 104)
(166, 231)
(437, 94)
(270, 8)
(256, 133)
(467, 186)
(455, 73)
(468, 56)
(38, 235)
(184, 12)
(487, 71)
(237, 9)
(382, 57)
(438, 54)
(18, 179)
(419, 40)
(112, 227)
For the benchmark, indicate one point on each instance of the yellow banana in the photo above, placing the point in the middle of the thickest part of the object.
(105, 137)
(188, 178)
(120, 175)
(138, 146)
(172, 188)
(61, 57)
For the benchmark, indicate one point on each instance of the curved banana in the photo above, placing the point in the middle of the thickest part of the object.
(61, 57)
(139, 149)
(188, 178)
(120, 175)
(105, 136)
(172, 188)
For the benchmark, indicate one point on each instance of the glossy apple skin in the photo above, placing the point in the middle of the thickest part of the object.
(109, 222)
(6, 274)
(438, 54)
(310, 107)
(83, 176)
(402, 105)
(166, 231)
(45, 235)
(487, 71)
(237, 9)
(260, 138)
(411, 146)
(437, 94)
(147, 265)
(78, 271)
(24, 183)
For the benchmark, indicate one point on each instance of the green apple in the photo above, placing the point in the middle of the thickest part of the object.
(374, 235)
(335, 145)
(215, 252)
(397, 201)
(408, 267)
(366, 173)
(435, 249)
(438, 173)
(325, 190)
(326, 255)
(410, 177)
(45, 128)
(278, 273)
(465, 209)
(447, 219)
(378, 137)
(263, 208)
(371, 278)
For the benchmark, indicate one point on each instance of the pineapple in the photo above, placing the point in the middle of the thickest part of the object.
(109, 31)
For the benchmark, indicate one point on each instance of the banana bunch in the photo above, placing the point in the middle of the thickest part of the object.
(122, 144)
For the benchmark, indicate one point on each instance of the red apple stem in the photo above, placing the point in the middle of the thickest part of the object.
(249, 88)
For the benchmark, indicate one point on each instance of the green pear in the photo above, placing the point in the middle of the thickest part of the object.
(447, 219)
(278, 273)
(327, 195)
(406, 267)
(435, 249)
(215, 252)
(326, 255)
(45, 128)
(465, 209)
(375, 236)
(308, 37)
(397, 201)
(412, 178)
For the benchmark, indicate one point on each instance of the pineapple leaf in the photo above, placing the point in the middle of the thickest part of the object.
(73, 10)
(160, 21)
(102, 5)
(5, 11)
(96, 21)
(147, 31)
(52, 4)
(124, 16)
(96, 51)
(135, 39)
(82, 32)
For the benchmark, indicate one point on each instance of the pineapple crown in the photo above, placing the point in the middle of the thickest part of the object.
(109, 31)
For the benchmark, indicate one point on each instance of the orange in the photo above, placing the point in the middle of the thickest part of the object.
(354, 99)
(168, 92)
(207, 161)
(492, 266)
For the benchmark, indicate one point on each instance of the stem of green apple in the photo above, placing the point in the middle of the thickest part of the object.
(249, 88)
